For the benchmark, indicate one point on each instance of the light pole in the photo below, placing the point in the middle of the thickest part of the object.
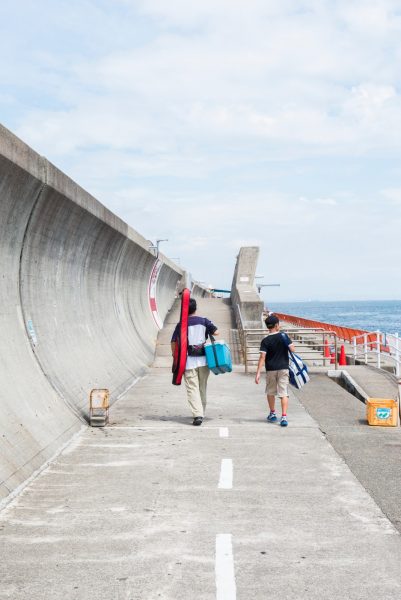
(157, 244)
(262, 285)
(156, 247)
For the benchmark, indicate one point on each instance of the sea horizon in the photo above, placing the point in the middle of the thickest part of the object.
(369, 315)
(333, 300)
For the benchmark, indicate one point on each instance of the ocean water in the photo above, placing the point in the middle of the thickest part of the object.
(371, 315)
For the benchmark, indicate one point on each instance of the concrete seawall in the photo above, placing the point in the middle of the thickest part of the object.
(81, 302)
(247, 304)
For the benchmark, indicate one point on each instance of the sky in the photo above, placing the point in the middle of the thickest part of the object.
(225, 123)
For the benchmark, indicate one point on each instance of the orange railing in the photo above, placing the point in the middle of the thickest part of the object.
(344, 333)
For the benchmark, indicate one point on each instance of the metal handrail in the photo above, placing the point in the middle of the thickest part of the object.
(387, 351)
(312, 346)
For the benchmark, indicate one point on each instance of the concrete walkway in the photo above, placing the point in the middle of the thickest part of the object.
(135, 511)
(372, 453)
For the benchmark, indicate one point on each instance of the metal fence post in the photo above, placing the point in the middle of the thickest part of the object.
(246, 352)
(365, 347)
(399, 401)
(335, 352)
(378, 341)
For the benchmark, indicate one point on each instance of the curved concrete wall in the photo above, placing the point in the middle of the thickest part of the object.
(74, 307)
(199, 291)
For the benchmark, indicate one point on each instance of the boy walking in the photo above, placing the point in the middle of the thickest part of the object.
(274, 355)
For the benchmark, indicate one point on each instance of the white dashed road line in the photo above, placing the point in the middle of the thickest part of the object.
(225, 574)
(226, 474)
(223, 431)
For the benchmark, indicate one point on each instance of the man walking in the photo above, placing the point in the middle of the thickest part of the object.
(274, 355)
(196, 372)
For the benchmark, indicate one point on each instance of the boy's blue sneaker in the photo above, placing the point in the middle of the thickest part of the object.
(272, 417)
(283, 422)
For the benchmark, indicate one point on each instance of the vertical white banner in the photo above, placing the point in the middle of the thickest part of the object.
(152, 292)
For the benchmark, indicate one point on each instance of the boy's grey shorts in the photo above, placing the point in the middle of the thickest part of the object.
(277, 383)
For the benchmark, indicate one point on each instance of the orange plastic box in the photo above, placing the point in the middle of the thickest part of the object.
(382, 412)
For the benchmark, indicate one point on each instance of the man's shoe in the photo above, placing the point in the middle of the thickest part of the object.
(198, 421)
(271, 417)
(283, 422)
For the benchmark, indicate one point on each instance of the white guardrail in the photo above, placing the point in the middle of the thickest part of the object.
(383, 347)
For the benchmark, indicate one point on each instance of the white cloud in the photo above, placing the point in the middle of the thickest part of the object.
(375, 19)
(250, 71)
(392, 194)
(220, 123)
(369, 104)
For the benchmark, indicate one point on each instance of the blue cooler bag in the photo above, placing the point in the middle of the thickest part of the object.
(218, 357)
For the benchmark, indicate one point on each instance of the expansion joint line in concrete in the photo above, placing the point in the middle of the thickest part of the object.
(41, 191)
(116, 275)
(16, 491)
(124, 245)
(135, 377)
(28, 224)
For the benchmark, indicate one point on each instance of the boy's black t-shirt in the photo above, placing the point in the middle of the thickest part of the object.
(276, 348)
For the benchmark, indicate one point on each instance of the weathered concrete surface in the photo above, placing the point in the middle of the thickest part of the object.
(243, 290)
(372, 453)
(132, 511)
(74, 307)
(376, 383)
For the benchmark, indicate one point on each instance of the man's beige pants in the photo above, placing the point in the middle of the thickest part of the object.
(196, 382)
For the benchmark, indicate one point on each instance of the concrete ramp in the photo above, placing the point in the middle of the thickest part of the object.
(81, 302)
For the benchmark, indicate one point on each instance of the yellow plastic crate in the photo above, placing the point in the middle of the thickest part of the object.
(382, 412)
